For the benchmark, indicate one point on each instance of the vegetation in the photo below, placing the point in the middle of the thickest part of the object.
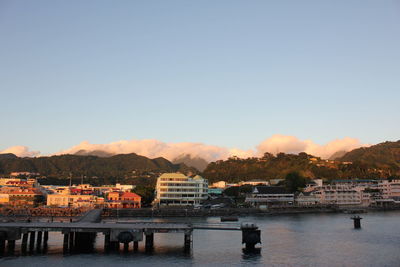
(381, 156)
(294, 182)
(94, 169)
(278, 167)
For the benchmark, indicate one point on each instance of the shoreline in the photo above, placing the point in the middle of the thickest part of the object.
(182, 212)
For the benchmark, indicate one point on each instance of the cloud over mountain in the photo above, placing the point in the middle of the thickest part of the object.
(20, 151)
(154, 148)
(291, 144)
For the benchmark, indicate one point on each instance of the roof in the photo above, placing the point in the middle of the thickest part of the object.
(270, 190)
(173, 175)
(20, 191)
(129, 194)
(198, 177)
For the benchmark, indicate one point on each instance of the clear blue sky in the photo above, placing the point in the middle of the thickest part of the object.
(228, 73)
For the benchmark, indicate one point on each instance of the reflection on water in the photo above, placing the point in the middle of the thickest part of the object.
(290, 240)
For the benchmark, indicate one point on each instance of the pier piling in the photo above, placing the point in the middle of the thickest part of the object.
(135, 245)
(2, 246)
(126, 247)
(149, 241)
(24, 243)
(31, 241)
(107, 242)
(188, 241)
(10, 247)
(71, 242)
(65, 243)
(39, 241)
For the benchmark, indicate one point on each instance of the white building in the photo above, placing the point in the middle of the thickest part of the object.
(270, 196)
(344, 195)
(178, 189)
(63, 200)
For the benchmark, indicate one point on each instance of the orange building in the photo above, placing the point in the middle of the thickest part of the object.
(123, 200)
(22, 196)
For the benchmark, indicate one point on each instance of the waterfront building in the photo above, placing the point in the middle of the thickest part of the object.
(179, 189)
(307, 199)
(344, 195)
(123, 200)
(64, 200)
(270, 196)
(214, 191)
(21, 196)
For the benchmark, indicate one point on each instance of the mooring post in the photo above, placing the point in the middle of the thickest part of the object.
(24, 243)
(357, 221)
(135, 245)
(250, 236)
(149, 241)
(39, 240)
(31, 241)
(65, 243)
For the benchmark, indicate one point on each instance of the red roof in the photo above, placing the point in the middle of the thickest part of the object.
(129, 194)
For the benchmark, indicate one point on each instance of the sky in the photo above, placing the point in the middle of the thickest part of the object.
(192, 75)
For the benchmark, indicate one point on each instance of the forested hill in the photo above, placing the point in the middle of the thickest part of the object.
(272, 167)
(124, 165)
(384, 155)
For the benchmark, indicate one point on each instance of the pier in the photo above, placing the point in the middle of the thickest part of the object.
(80, 235)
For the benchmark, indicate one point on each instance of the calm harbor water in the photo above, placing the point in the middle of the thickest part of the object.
(287, 240)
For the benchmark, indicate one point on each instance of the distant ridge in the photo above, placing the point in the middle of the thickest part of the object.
(383, 155)
(62, 166)
(196, 162)
(8, 156)
(98, 153)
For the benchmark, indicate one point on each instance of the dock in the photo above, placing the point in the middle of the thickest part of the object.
(80, 235)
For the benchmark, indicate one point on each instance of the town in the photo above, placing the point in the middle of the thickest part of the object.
(21, 193)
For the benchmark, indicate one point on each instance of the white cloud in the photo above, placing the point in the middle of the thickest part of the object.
(154, 148)
(291, 144)
(20, 151)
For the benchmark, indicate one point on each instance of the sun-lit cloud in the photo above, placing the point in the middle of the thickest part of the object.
(291, 144)
(154, 148)
(20, 151)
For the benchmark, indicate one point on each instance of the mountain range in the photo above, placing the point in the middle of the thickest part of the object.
(381, 160)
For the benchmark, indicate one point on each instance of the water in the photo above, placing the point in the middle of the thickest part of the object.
(288, 240)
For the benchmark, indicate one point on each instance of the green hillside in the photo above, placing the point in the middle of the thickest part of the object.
(64, 166)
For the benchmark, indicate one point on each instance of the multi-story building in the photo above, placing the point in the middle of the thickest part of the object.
(343, 195)
(179, 189)
(270, 196)
(22, 196)
(63, 200)
(123, 200)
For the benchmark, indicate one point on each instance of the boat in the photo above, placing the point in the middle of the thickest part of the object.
(229, 219)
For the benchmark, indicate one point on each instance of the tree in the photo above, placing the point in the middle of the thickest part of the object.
(146, 192)
(294, 182)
